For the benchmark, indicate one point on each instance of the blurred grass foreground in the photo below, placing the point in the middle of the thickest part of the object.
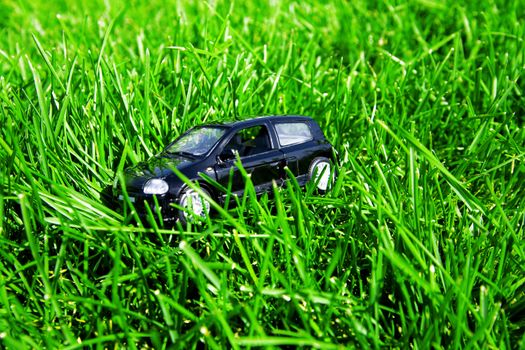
(419, 244)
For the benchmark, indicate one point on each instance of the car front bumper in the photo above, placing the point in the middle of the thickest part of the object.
(144, 204)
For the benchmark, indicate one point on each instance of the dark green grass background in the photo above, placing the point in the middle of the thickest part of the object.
(419, 244)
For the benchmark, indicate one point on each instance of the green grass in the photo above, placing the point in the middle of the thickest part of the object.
(419, 244)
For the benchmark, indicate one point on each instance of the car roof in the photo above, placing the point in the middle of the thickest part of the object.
(273, 119)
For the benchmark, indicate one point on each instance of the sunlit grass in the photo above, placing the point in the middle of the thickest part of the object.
(419, 243)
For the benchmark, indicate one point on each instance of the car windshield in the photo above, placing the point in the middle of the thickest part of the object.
(197, 141)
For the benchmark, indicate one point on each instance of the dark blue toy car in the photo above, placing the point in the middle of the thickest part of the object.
(265, 146)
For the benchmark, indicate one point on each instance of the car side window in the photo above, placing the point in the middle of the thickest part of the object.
(248, 142)
(293, 133)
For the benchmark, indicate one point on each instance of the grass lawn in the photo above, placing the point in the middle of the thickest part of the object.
(419, 244)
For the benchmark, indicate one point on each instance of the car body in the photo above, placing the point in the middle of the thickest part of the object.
(264, 145)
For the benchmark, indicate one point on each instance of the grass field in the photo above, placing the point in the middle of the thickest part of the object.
(418, 245)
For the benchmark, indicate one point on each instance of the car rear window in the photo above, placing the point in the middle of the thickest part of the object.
(293, 133)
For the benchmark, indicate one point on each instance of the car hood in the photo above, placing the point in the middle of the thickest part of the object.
(155, 167)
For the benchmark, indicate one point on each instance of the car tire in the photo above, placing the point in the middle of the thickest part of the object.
(193, 205)
(321, 167)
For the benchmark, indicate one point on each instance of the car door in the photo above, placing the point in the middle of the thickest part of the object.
(261, 160)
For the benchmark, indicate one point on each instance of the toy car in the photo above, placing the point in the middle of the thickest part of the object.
(264, 145)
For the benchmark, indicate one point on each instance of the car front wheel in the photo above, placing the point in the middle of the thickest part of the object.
(194, 206)
(320, 173)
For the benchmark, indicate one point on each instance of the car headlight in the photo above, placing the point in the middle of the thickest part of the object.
(156, 186)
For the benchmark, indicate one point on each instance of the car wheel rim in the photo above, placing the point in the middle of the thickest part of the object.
(194, 203)
(322, 175)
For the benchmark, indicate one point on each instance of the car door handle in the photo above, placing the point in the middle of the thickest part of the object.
(280, 163)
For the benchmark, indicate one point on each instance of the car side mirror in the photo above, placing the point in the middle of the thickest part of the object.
(227, 154)
(224, 157)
